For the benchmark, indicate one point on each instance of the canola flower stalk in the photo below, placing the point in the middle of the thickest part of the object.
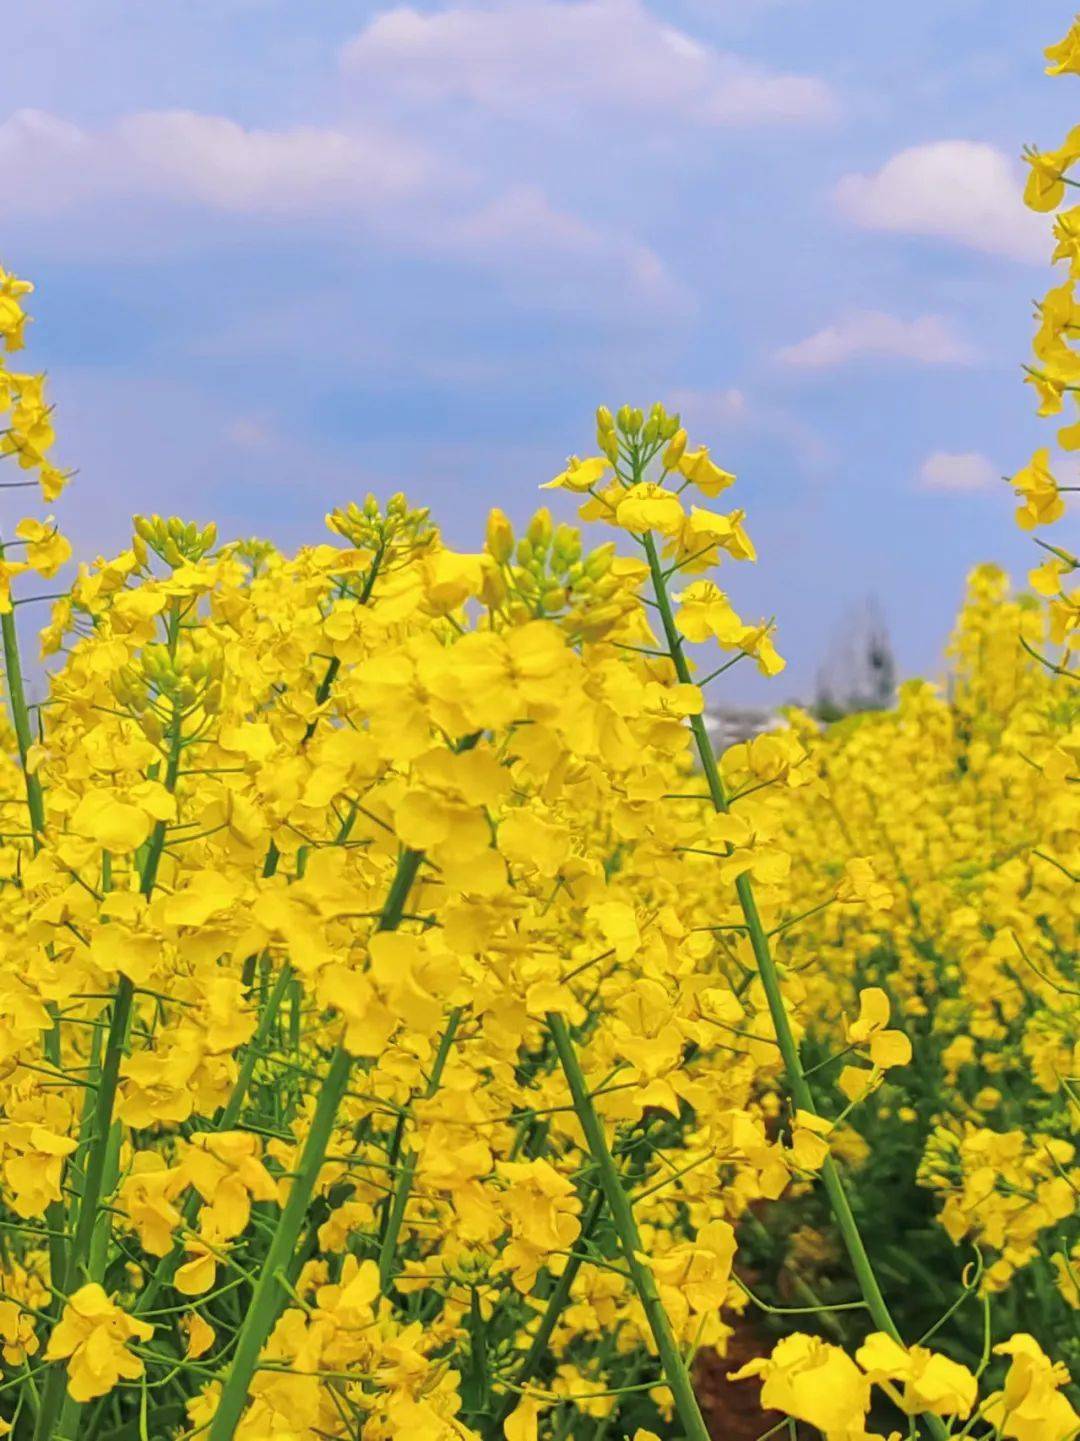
(87, 1256)
(231, 1111)
(269, 1247)
(269, 1293)
(20, 718)
(406, 1168)
(800, 1086)
(230, 1114)
(557, 1302)
(674, 1367)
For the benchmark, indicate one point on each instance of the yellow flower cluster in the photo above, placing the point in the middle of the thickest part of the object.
(1055, 370)
(978, 849)
(819, 1383)
(28, 434)
(406, 1017)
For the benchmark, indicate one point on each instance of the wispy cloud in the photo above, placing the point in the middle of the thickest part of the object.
(723, 408)
(537, 58)
(729, 411)
(927, 340)
(522, 222)
(959, 190)
(956, 471)
(367, 179)
(51, 165)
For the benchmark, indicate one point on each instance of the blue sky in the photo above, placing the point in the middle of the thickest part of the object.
(287, 253)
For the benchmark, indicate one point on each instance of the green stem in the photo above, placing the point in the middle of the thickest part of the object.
(166, 1267)
(79, 1257)
(800, 1088)
(111, 1172)
(35, 805)
(622, 1215)
(407, 1168)
(267, 1297)
(230, 1112)
(20, 719)
(538, 1349)
(87, 1259)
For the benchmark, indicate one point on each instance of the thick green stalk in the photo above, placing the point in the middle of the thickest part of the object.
(20, 719)
(801, 1091)
(88, 1258)
(99, 1244)
(78, 1262)
(35, 805)
(266, 1299)
(268, 1295)
(622, 1215)
(230, 1112)
(97, 1156)
(166, 1266)
(560, 1295)
(407, 1168)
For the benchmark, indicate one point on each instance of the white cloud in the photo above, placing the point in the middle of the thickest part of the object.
(965, 470)
(702, 408)
(118, 177)
(960, 190)
(523, 223)
(927, 340)
(723, 414)
(537, 59)
(51, 165)
(250, 432)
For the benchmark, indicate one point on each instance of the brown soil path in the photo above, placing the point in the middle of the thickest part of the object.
(731, 1408)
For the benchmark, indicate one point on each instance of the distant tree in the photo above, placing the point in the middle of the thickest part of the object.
(859, 672)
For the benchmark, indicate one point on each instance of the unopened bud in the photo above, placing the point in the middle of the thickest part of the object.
(598, 562)
(674, 452)
(609, 444)
(500, 536)
(540, 528)
(567, 542)
(493, 587)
